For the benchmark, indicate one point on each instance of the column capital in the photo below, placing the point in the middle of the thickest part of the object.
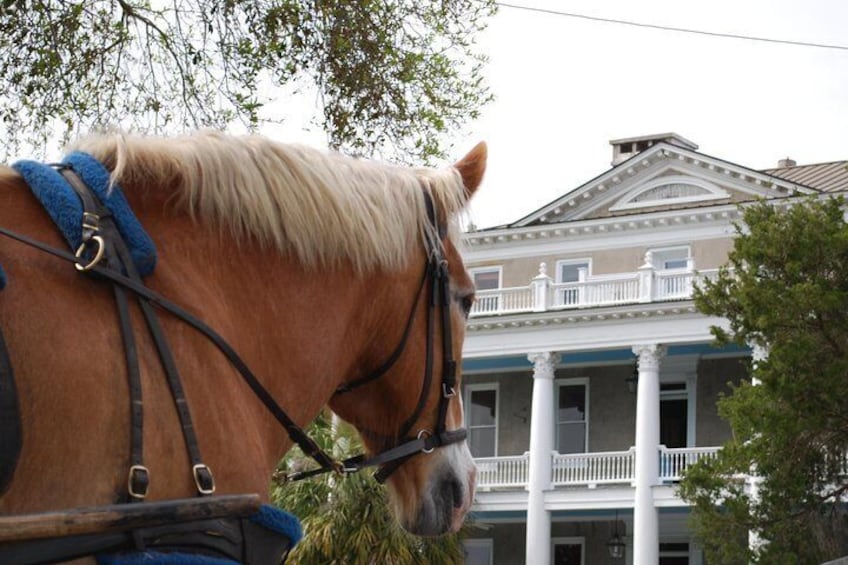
(650, 355)
(759, 352)
(544, 364)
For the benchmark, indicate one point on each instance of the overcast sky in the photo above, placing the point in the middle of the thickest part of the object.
(566, 86)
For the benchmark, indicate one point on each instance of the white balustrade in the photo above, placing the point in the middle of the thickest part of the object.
(597, 291)
(502, 472)
(586, 469)
(673, 284)
(590, 469)
(674, 460)
(646, 285)
(503, 301)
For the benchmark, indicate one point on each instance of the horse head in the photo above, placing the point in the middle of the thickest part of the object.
(410, 394)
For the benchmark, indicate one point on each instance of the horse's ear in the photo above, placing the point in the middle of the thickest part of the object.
(472, 166)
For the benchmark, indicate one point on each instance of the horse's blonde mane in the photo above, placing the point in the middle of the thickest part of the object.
(323, 207)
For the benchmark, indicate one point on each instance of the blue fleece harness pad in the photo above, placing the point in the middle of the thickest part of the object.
(64, 207)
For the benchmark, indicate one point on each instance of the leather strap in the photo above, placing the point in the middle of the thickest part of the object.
(11, 440)
(118, 257)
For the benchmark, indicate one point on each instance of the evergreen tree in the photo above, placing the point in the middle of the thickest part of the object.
(785, 289)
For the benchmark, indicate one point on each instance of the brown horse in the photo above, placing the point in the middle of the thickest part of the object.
(307, 263)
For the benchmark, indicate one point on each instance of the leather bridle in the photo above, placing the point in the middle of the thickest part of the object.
(436, 277)
(435, 273)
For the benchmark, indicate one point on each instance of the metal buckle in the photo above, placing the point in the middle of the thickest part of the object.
(142, 480)
(425, 433)
(196, 470)
(448, 392)
(101, 247)
(91, 221)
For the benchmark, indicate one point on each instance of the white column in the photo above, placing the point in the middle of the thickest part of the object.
(645, 517)
(538, 542)
(755, 542)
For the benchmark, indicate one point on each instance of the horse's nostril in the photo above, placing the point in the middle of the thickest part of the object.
(456, 490)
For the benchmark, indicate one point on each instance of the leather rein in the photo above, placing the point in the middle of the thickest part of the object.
(102, 240)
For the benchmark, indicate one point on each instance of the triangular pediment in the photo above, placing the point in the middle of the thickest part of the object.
(664, 177)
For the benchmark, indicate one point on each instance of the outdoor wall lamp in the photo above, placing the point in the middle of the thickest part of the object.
(633, 380)
(616, 544)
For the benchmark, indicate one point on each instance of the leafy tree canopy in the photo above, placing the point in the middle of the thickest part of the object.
(785, 289)
(348, 519)
(391, 77)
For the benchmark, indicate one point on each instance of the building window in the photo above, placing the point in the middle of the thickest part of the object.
(478, 551)
(669, 258)
(674, 280)
(481, 409)
(568, 271)
(487, 280)
(572, 418)
(674, 553)
(568, 551)
(674, 414)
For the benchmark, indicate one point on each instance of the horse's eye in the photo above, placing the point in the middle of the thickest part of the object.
(467, 302)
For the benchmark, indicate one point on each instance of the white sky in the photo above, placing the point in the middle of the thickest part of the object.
(565, 86)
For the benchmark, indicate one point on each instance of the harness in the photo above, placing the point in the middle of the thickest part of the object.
(103, 254)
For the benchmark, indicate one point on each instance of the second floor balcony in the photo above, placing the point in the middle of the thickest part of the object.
(586, 469)
(543, 294)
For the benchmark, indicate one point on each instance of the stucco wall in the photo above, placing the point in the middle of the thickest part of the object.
(514, 397)
(708, 254)
(509, 540)
(612, 409)
(713, 378)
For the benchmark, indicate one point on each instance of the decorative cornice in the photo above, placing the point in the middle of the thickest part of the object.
(723, 214)
(512, 322)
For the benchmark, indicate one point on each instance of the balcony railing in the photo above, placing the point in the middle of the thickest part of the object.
(591, 469)
(674, 460)
(543, 294)
(502, 472)
(586, 469)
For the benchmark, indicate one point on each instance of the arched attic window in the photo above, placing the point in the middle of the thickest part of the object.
(670, 190)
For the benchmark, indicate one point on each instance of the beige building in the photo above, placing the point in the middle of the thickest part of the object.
(589, 378)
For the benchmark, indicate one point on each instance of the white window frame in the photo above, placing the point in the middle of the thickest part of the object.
(570, 382)
(581, 541)
(676, 553)
(487, 543)
(473, 271)
(496, 299)
(690, 394)
(580, 290)
(659, 251)
(469, 388)
(561, 262)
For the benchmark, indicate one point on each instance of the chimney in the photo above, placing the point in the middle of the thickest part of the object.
(783, 163)
(623, 149)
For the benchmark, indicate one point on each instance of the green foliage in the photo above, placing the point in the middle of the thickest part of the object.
(347, 520)
(785, 289)
(391, 77)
